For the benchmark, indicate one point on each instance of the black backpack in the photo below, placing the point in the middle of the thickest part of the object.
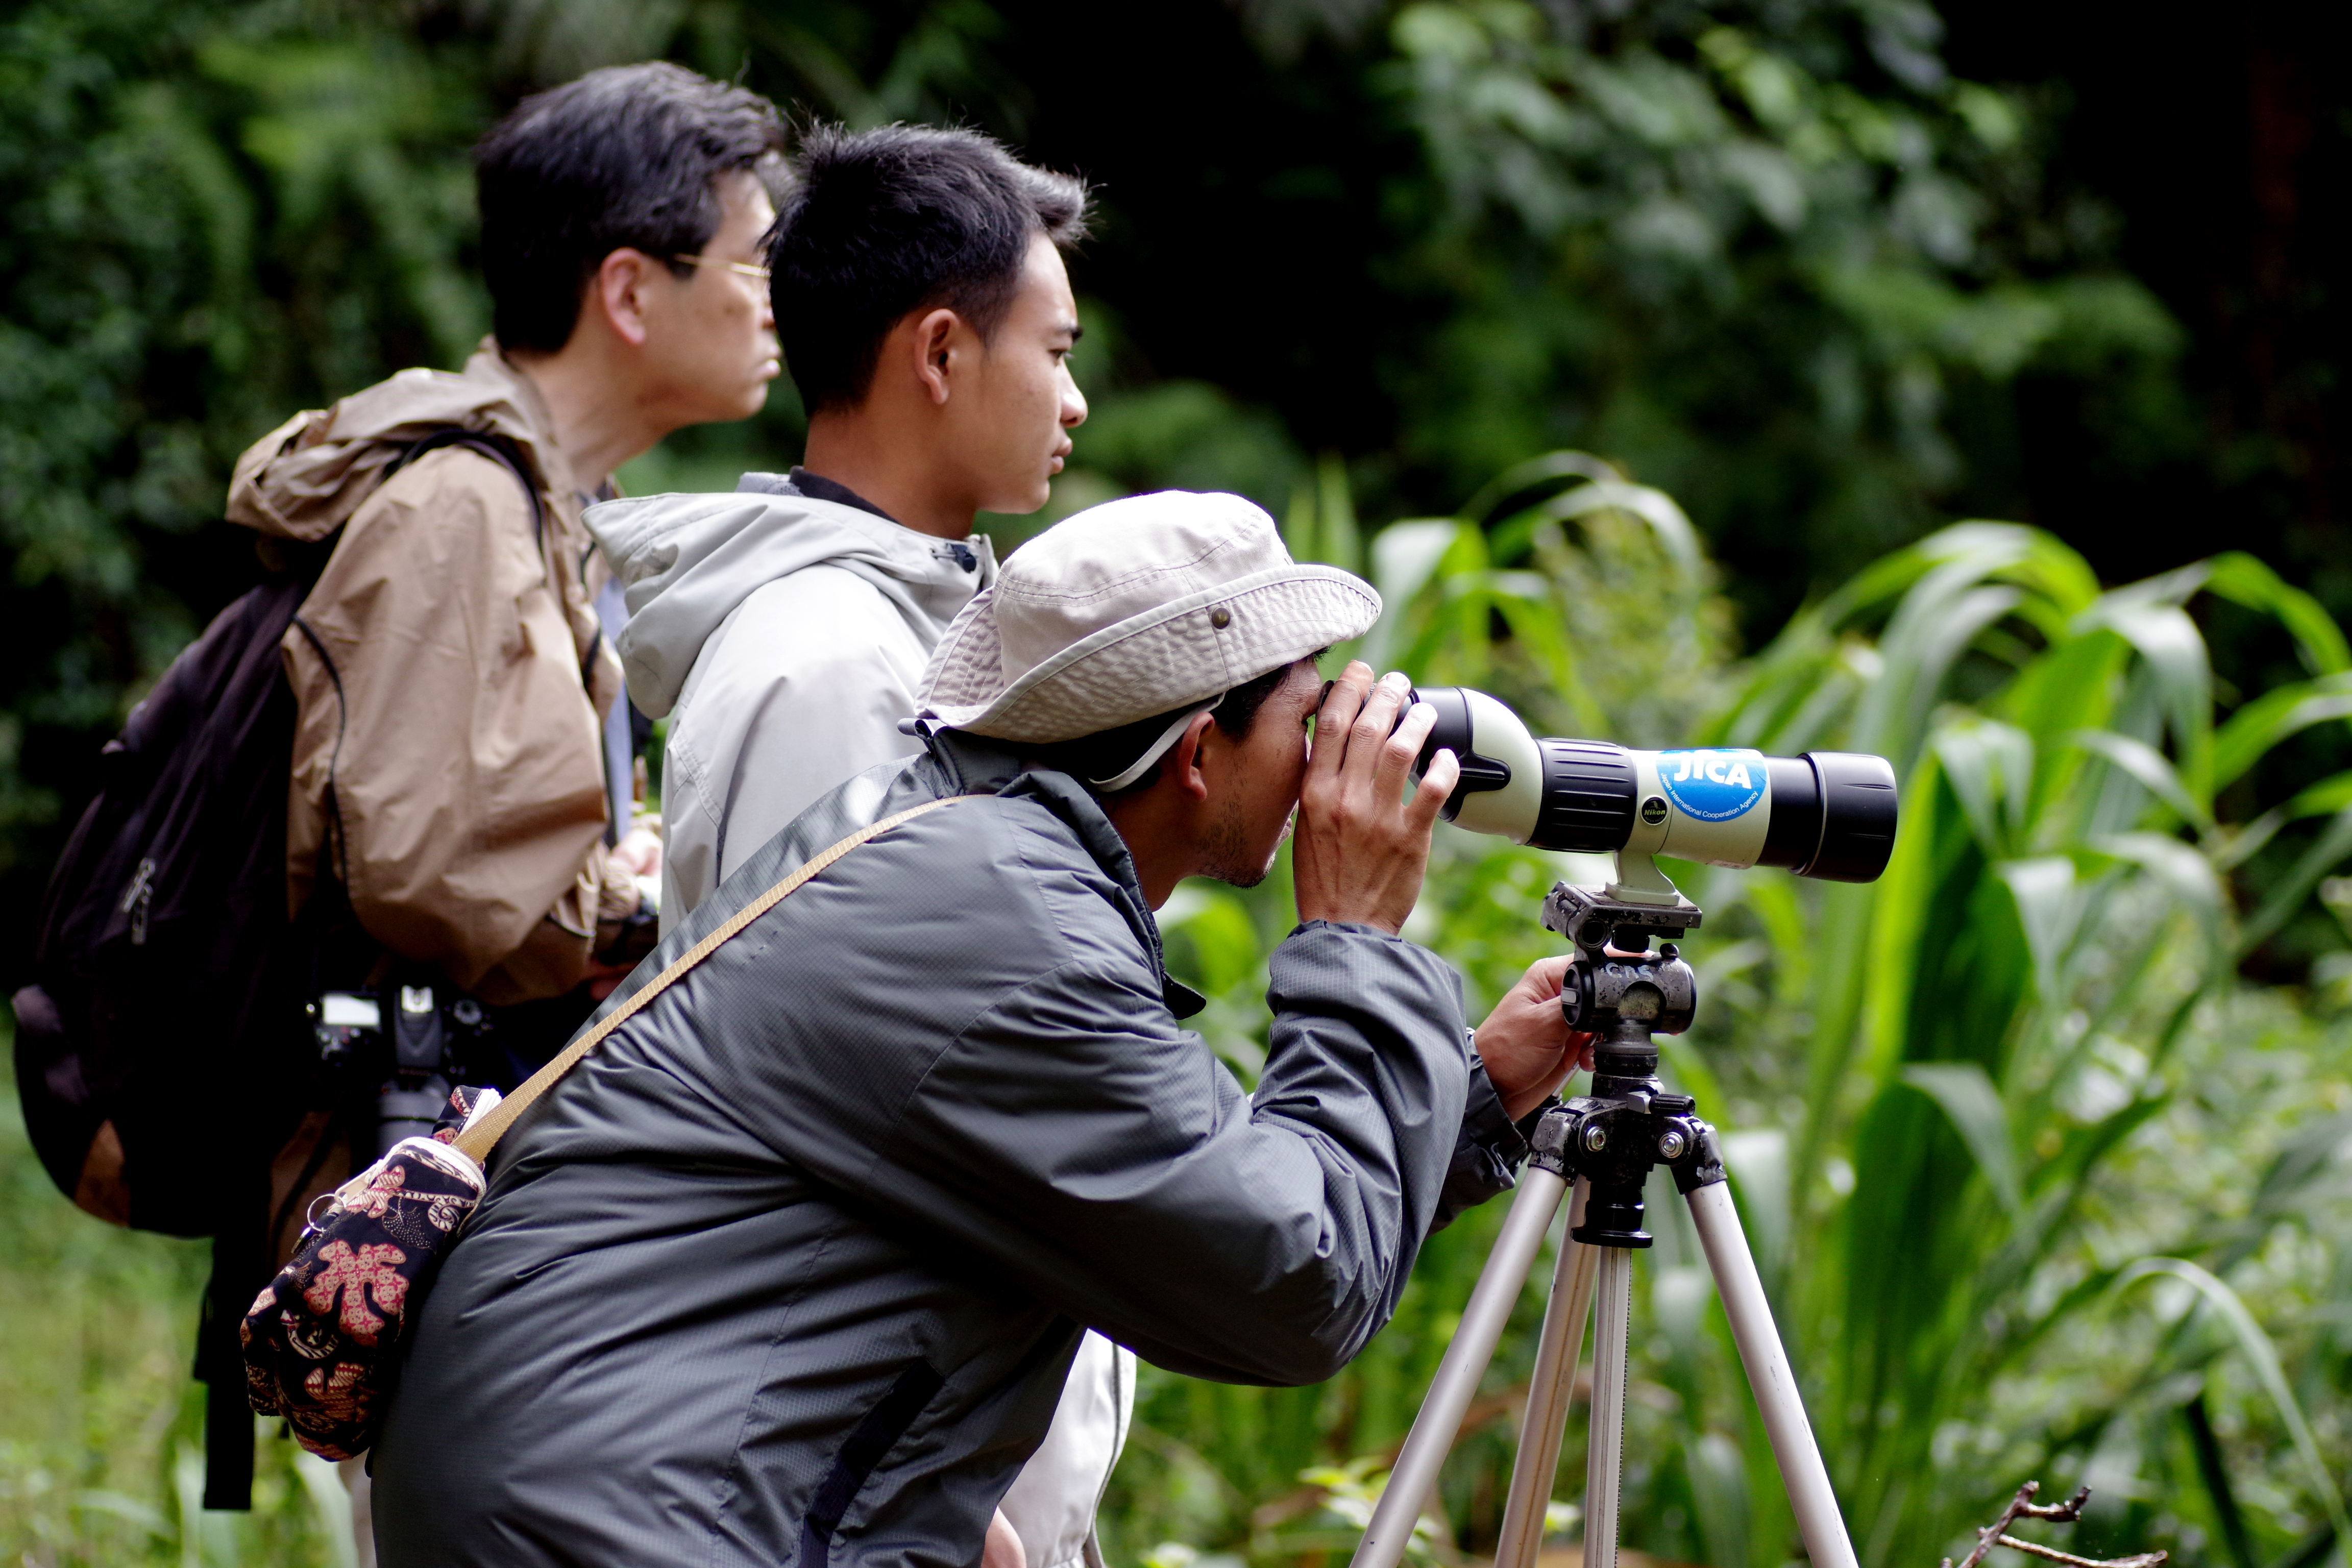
(168, 1010)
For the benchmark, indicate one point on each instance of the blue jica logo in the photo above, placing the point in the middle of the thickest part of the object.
(1712, 785)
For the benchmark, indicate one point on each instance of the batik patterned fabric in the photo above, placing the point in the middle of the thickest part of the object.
(322, 1342)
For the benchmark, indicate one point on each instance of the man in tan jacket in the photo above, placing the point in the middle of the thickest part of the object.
(451, 677)
(448, 816)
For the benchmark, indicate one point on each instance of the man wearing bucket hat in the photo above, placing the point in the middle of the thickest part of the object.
(792, 1267)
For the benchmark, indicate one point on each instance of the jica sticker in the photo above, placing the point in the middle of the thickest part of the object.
(1713, 785)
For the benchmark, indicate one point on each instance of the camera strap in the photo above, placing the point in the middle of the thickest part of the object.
(482, 1136)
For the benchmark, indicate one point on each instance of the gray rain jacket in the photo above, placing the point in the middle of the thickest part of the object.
(791, 1270)
(783, 636)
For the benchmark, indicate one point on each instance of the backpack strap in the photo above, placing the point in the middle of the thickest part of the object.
(480, 1139)
(500, 450)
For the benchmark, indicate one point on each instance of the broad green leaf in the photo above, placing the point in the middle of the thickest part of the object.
(1651, 506)
(2174, 649)
(2149, 766)
(1405, 554)
(2267, 720)
(1521, 477)
(2049, 906)
(2239, 577)
(1966, 1094)
(2328, 796)
(1934, 625)
(1991, 767)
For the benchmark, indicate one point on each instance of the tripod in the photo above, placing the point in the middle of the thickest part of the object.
(1606, 1144)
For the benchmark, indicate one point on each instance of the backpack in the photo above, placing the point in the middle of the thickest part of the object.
(168, 1012)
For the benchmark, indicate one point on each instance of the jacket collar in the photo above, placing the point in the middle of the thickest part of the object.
(976, 766)
(305, 478)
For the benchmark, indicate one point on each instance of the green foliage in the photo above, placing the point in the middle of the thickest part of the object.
(1968, 1105)
(1767, 253)
(1776, 261)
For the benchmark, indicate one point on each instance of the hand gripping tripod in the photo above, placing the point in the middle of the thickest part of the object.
(1606, 1144)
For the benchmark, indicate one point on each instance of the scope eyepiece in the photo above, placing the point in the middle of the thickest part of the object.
(1827, 815)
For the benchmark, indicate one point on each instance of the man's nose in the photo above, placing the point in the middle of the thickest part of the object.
(1073, 401)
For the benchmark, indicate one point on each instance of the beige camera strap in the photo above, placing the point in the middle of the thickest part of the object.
(478, 1140)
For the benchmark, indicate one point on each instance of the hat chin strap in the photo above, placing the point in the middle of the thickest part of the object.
(1154, 752)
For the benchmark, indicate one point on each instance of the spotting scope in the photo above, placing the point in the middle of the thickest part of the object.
(1824, 814)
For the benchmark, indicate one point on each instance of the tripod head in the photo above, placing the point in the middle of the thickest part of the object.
(1620, 990)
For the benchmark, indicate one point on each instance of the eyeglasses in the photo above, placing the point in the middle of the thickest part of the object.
(744, 267)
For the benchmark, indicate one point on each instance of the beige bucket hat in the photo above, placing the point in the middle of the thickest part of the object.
(1133, 609)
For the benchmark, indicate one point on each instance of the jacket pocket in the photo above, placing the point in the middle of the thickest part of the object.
(883, 1426)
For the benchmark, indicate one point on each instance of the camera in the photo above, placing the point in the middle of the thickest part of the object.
(414, 1054)
(1829, 814)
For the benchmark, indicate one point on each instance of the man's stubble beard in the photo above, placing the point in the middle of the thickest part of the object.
(1228, 852)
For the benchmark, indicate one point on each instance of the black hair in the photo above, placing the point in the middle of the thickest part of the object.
(626, 156)
(903, 219)
(1111, 751)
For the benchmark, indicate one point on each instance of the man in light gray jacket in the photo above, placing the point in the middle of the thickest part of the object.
(925, 313)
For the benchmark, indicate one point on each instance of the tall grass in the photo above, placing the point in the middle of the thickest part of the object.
(1967, 1106)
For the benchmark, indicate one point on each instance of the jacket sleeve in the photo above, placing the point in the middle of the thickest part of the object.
(1489, 1152)
(447, 738)
(1079, 1143)
(803, 688)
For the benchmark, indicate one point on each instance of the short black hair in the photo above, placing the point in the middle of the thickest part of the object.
(1112, 751)
(626, 156)
(906, 217)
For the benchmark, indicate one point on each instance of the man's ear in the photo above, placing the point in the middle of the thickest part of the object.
(936, 350)
(617, 294)
(1184, 759)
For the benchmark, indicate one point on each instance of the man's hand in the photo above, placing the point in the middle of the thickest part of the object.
(1526, 1043)
(1363, 844)
(639, 852)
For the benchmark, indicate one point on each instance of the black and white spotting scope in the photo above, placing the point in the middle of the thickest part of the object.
(1825, 814)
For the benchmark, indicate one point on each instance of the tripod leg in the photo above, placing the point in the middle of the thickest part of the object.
(1464, 1361)
(1548, 1391)
(1604, 1461)
(1801, 1471)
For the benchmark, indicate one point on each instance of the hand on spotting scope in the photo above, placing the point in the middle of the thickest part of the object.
(1363, 841)
(1526, 1043)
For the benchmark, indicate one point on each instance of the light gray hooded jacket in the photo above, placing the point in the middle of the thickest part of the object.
(783, 633)
(783, 636)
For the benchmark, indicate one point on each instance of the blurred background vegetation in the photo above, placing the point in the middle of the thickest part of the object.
(2041, 1141)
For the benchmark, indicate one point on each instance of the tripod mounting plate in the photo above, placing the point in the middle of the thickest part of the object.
(1592, 920)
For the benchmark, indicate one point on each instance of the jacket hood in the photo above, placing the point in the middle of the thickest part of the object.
(303, 478)
(688, 560)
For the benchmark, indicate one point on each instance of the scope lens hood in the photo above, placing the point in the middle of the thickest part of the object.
(1833, 816)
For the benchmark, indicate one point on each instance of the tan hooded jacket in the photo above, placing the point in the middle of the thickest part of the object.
(450, 681)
